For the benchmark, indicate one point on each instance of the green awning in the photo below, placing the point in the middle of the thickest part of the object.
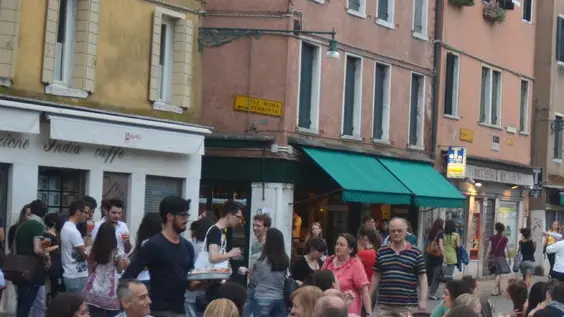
(363, 178)
(431, 189)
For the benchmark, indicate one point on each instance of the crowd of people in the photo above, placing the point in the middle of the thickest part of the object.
(93, 269)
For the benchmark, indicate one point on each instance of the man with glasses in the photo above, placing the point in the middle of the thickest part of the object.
(399, 266)
(73, 257)
(168, 257)
(216, 239)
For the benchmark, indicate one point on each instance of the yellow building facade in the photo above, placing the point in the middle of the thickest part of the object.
(114, 61)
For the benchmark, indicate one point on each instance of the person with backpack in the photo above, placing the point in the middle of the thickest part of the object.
(434, 251)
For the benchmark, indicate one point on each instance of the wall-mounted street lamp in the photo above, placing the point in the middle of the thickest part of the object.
(210, 37)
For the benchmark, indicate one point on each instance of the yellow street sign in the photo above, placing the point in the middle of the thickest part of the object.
(260, 106)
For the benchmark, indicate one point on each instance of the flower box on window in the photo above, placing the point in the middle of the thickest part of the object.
(461, 3)
(493, 12)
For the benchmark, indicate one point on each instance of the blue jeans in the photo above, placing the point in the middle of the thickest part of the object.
(27, 292)
(192, 311)
(270, 308)
(75, 285)
(249, 307)
(99, 312)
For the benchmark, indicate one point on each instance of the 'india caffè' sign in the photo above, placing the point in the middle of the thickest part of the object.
(105, 153)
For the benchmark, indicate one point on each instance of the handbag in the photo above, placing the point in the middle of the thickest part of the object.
(19, 268)
(290, 286)
(492, 264)
(203, 258)
(433, 248)
(517, 261)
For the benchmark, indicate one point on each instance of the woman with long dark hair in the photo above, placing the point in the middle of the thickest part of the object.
(435, 250)
(498, 260)
(369, 241)
(24, 214)
(105, 261)
(55, 272)
(310, 262)
(268, 274)
(451, 243)
(149, 227)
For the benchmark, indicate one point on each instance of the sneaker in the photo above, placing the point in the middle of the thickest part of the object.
(433, 297)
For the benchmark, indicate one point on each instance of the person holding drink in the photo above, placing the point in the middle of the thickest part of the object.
(114, 215)
(51, 246)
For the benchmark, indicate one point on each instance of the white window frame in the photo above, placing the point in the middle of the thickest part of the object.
(424, 20)
(554, 159)
(420, 113)
(488, 108)
(527, 105)
(357, 112)
(316, 89)
(361, 13)
(390, 22)
(387, 105)
(64, 55)
(456, 92)
(532, 12)
(164, 88)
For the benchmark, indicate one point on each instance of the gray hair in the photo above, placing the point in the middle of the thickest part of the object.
(401, 219)
(123, 291)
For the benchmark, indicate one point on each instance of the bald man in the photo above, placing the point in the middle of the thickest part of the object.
(330, 306)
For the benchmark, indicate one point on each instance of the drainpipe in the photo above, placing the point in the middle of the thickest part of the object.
(437, 52)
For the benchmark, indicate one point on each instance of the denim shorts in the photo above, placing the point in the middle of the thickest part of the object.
(75, 285)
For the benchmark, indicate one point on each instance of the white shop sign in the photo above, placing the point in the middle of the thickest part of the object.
(498, 176)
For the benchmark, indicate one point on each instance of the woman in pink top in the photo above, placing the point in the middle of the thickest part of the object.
(350, 274)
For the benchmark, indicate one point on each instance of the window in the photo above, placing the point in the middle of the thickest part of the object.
(69, 54)
(382, 75)
(352, 97)
(385, 13)
(171, 61)
(451, 84)
(558, 140)
(116, 185)
(524, 107)
(165, 60)
(527, 10)
(157, 188)
(416, 110)
(490, 101)
(560, 39)
(10, 30)
(58, 188)
(357, 7)
(419, 27)
(309, 92)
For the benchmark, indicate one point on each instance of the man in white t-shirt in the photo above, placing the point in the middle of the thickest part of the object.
(114, 214)
(75, 270)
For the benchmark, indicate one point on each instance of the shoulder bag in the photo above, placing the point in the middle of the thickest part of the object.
(19, 268)
(433, 248)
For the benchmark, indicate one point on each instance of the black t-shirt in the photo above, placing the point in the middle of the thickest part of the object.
(216, 236)
(168, 265)
(434, 260)
(301, 270)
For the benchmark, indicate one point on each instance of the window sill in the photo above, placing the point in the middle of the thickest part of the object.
(307, 131)
(527, 22)
(351, 137)
(381, 141)
(451, 116)
(319, 1)
(164, 106)
(357, 13)
(560, 63)
(420, 36)
(387, 24)
(524, 133)
(64, 91)
(558, 161)
(492, 126)
(5, 82)
(416, 147)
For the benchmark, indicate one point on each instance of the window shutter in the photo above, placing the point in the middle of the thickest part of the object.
(157, 188)
(155, 55)
(484, 97)
(350, 83)
(496, 81)
(414, 111)
(527, 10)
(354, 5)
(523, 110)
(50, 45)
(306, 85)
(383, 13)
(379, 91)
(418, 17)
(449, 84)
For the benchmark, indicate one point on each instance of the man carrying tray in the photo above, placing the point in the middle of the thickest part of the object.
(169, 257)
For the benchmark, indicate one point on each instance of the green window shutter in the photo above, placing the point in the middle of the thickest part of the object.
(306, 85)
(350, 83)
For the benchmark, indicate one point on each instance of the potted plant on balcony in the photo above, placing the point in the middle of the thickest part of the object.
(493, 12)
(461, 3)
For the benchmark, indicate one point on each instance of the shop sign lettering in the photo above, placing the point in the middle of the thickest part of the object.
(108, 154)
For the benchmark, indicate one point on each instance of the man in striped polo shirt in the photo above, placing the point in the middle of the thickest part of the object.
(398, 270)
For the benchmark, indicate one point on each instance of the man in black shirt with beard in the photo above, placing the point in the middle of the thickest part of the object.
(169, 257)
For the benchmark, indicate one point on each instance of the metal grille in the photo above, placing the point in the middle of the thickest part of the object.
(157, 188)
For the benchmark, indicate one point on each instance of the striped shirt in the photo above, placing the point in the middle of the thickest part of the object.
(399, 275)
